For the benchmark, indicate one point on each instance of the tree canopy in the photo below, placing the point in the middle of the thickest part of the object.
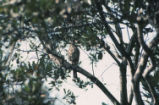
(127, 30)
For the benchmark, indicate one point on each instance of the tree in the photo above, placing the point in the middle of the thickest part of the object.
(90, 24)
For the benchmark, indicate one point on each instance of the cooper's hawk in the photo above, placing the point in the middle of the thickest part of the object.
(73, 55)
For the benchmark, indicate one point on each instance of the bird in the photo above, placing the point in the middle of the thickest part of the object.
(73, 55)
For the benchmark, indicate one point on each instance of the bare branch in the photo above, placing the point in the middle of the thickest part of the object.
(108, 28)
(153, 44)
(12, 47)
(123, 82)
(119, 32)
(130, 96)
(143, 44)
(152, 90)
(107, 48)
(141, 69)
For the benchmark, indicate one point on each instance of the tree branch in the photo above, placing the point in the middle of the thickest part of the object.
(152, 90)
(141, 70)
(112, 36)
(123, 83)
(107, 48)
(137, 78)
(131, 96)
(153, 44)
(144, 46)
(12, 47)
(119, 32)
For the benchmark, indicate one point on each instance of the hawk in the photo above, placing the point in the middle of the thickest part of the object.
(73, 55)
